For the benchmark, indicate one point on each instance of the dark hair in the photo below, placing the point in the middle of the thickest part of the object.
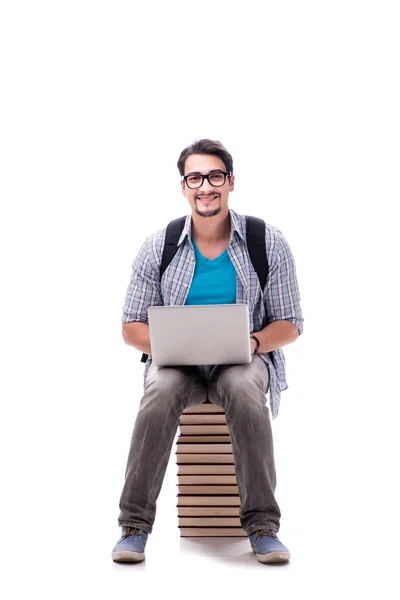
(206, 147)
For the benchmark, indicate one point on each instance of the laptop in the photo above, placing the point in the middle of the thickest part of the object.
(207, 334)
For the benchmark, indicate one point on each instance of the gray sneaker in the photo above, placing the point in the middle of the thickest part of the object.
(130, 547)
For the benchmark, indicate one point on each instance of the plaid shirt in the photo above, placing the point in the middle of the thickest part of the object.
(280, 299)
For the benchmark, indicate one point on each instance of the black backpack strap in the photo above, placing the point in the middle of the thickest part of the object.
(172, 235)
(255, 235)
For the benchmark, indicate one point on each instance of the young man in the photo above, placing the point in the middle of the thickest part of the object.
(211, 266)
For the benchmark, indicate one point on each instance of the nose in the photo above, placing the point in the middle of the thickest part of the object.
(206, 185)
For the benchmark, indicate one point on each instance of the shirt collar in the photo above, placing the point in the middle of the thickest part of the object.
(236, 225)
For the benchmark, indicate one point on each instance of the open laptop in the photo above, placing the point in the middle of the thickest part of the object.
(207, 334)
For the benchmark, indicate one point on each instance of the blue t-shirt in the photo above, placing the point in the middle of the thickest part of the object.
(214, 281)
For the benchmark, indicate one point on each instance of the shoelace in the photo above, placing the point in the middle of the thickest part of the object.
(130, 531)
(269, 532)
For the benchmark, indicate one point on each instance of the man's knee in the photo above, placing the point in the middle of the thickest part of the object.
(230, 378)
(169, 386)
(167, 381)
(239, 382)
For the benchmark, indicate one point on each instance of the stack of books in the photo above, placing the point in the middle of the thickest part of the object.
(208, 497)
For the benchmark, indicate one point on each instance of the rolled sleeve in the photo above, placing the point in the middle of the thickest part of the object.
(144, 288)
(281, 293)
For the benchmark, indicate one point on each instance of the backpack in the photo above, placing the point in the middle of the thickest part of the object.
(255, 232)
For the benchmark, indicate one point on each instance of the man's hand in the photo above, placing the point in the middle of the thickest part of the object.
(253, 345)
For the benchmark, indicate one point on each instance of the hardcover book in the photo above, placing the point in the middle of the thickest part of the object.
(204, 439)
(202, 501)
(204, 419)
(208, 511)
(204, 458)
(206, 469)
(206, 407)
(206, 479)
(212, 532)
(202, 490)
(209, 522)
(204, 449)
(204, 429)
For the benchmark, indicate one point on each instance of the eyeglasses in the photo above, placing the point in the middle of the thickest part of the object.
(215, 179)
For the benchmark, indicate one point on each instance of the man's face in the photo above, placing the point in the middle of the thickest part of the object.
(207, 200)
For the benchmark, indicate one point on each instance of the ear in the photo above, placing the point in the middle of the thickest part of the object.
(232, 183)
(183, 188)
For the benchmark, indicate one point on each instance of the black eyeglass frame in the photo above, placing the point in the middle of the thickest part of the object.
(224, 173)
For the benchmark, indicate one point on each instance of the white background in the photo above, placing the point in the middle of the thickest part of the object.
(97, 101)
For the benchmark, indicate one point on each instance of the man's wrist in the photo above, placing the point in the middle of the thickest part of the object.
(257, 341)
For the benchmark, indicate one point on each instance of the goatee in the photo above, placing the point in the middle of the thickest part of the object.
(210, 213)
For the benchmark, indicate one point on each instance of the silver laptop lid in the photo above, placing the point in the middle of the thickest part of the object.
(207, 334)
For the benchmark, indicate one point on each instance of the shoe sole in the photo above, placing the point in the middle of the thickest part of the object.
(273, 557)
(127, 556)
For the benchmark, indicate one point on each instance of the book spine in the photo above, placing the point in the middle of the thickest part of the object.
(209, 522)
(204, 430)
(206, 479)
(201, 501)
(200, 490)
(204, 449)
(215, 419)
(203, 439)
(212, 532)
(206, 407)
(208, 511)
(206, 470)
(203, 458)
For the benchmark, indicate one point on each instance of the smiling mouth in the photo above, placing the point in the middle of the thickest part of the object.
(207, 200)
